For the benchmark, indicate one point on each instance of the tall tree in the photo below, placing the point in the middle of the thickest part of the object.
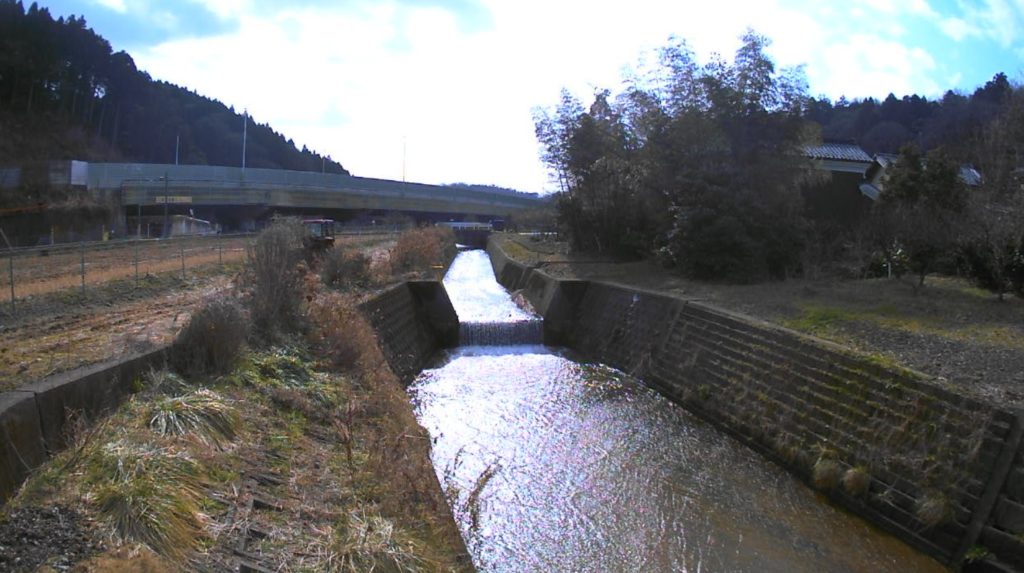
(922, 207)
(694, 163)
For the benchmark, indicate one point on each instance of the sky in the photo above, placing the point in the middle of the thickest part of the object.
(443, 91)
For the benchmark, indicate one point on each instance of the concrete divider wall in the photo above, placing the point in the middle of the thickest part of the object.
(413, 320)
(800, 400)
(34, 419)
(555, 300)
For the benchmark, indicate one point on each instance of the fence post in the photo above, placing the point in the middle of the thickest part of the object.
(82, 253)
(10, 269)
(182, 262)
(220, 252)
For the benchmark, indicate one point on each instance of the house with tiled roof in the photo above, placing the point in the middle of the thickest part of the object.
(874, 178)
(838, 198)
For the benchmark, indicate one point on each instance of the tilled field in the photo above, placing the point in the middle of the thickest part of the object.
(43, 271)
(63, 329)
(61, 333)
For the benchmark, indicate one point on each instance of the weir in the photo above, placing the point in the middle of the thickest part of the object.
(556, 463)
(519, 333)
(487, 315)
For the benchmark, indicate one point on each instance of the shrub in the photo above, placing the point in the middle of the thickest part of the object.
(345, 268)
(212, 340)
(272, 271)
(418, 250)
(341, 332)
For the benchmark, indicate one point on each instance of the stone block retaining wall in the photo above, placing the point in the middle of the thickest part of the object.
(814, 407)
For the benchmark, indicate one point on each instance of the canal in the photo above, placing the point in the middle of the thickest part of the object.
(555, 464)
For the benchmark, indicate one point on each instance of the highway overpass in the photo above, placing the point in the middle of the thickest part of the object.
(261, 191)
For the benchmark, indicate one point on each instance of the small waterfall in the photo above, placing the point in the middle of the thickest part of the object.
(501, 333)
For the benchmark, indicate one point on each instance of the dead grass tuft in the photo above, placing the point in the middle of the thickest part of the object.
(826, 474)
(934, 508)
(857, 480)
(147, 495)
(202, 413)
(371, 543)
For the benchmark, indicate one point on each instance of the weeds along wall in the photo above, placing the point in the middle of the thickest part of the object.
(37, 419)
(939, 470)
(413, 320)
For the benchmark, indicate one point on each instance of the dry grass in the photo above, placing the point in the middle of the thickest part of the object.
(934, 508)
(345, 268)
(371, 543)
(340, 332)
(202, 412)
(857, 481)
(213, 338)
(37, 275)
(147, 495)
(826, 473)
(275, 279)
(421, 251)
(357, 489)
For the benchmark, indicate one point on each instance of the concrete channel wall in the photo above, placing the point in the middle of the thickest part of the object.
(35, 418)
(413, 320)
(805, 404)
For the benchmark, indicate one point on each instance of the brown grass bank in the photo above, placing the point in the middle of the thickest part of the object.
(303, 455)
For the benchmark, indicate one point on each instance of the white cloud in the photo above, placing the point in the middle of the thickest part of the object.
(115, 5)
(957, 28)
(1000, 21)
(864, 65)
(354, 81)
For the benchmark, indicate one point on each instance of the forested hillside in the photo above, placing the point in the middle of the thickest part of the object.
(883, 127)
(65, 94)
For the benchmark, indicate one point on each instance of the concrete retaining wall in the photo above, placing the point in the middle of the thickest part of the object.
(34, 419)
(798, 400)
(413, 320)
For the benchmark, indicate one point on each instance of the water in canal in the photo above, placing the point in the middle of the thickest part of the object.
(554, 464)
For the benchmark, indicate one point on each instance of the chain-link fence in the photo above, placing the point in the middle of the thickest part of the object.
(80, 266)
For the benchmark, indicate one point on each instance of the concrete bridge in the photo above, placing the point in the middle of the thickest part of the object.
(238, 197)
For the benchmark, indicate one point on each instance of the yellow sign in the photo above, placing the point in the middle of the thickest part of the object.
(173, 199)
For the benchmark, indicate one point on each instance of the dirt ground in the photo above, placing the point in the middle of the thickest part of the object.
(951, 330)
(314, 461)
(60, 329)
(43, 271)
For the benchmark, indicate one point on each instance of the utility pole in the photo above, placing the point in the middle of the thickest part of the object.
(177, 141)
(245, 131)
(167, 228)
